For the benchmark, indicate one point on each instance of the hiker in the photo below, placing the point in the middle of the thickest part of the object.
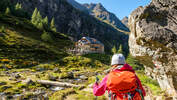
(121, 82)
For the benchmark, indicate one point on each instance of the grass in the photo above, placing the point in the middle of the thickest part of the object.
(103, 58)
(152, 84)
(22, 45)
(79, 61)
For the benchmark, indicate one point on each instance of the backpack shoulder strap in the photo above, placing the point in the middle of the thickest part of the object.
(139, 90)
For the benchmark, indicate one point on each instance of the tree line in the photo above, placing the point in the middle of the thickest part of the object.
(42, 23)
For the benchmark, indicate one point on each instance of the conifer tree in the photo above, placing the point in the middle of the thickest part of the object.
(34, 16)
(39, 17)
(39, 21)
(52, 25)
(18, 6)
(40, 26)
(46, 37)
(46, 24)
(45, 20)
(7, 11)
(120, 49)
(114, 51)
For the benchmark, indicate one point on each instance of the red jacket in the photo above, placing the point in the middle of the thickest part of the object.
(99, 89)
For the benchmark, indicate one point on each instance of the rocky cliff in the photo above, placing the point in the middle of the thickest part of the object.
(74, 22)
(153, 40)
(98, 11)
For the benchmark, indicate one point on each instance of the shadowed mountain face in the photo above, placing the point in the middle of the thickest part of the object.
(125, 21)
(98, 11)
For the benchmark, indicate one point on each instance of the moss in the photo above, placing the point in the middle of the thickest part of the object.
(144, 16)
(153, 45)
(60, 95)
(21, 86)
(3, 83)
(146, 60)
(27, 96)
(63, 75)
(3, 88)
(87, 96)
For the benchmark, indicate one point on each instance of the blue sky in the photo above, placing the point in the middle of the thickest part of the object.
(119, 7)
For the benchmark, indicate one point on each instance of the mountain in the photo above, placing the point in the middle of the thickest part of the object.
(125, 21)
(98, 11)
(153, 40)
(74, 22)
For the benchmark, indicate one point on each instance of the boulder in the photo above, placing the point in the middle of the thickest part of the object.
(70, 75)
(153, 40)
(52, 78)
(28, 81)
(56, 70)
(17, 76)
(83, 77)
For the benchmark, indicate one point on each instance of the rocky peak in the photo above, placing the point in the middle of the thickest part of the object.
(125, 21)
(153, 40)
(98, 11)
(99, 7)
(93, 6)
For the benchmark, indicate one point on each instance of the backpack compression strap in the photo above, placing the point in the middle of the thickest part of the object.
(139, 91)
(141, 94)
(112, 96)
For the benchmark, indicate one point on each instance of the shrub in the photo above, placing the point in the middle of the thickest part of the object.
(46, 37)
(2, 29)
(7, 12)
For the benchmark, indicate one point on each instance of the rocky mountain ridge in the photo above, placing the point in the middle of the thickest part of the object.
(98, 11)
(153, 40)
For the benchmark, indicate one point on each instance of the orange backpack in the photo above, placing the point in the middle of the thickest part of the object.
(124, 83)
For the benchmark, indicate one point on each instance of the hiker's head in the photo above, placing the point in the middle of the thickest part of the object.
(117, 59)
